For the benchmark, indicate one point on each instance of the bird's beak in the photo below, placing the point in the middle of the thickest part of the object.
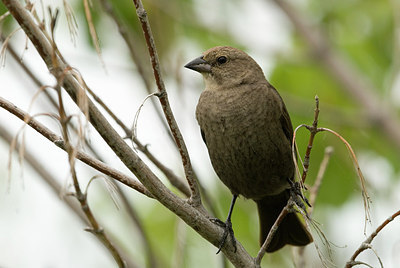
(199, 65)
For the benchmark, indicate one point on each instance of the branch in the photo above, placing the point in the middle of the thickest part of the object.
(85, 158)
(136, 59)
(320, 175)
(273, 230)
(195, 197)
(54, 185)
(367, 243)
(169, 174)
(313, 130)
(57, 188)
(95, 229)
(301, 260)
(366, 198)
(150, 252)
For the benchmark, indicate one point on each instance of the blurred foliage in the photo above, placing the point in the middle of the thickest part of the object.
(361, 30)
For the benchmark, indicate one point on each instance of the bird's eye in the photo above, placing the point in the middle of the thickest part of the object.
(221, 59)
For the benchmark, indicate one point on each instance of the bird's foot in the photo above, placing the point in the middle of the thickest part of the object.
(297, 195)
(228, 230)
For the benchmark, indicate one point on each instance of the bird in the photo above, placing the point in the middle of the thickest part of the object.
(248, 133)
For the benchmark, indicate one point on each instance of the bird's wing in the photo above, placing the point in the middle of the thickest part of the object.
(286, 124)
(203, 136)
(284, 119)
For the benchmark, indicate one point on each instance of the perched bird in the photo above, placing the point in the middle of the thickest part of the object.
(248, 132)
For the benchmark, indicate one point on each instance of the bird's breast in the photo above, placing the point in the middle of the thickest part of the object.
(247, 147)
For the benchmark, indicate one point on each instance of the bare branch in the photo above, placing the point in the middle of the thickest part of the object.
(151, 255)
(313, 131)
(273, 230)
(57, 188)
(301, 262)
(54, 185)
(320, 175)
(95, 229)
(366, 198)
(57, 140)
(367, 243)
(44, 174)
(195, 197)
(173, 179)
(169, 174)
(136, 59)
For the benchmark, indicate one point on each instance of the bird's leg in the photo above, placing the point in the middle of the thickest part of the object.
(227, 225)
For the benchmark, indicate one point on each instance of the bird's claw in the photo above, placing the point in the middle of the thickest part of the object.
(297, 195)
(228, 230)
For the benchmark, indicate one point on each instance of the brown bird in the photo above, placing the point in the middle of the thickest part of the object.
(248, 133)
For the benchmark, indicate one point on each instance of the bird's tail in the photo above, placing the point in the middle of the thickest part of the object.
(291, 230)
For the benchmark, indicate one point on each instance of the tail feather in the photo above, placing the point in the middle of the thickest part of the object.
(291, 230)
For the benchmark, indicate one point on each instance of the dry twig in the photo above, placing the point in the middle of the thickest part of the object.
(44, 174)
(57, 140)
(367, 242)
(320, 175)
(273, 230)
(195, 197)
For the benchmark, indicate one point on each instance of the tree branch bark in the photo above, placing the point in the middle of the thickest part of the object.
(85, 158)
(195, 197)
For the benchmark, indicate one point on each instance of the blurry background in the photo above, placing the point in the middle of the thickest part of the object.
(346, 52)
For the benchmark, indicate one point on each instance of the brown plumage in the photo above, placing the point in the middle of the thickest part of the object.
(248, 133)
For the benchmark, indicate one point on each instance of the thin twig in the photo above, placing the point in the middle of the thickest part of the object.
(195, 197)
(318, 181)
(85, 158)
(367, 242)
(301, 260)
(366, 198)
(95, 229)
(169, 174)
(151, 254)
(313, 131)
(128, 206)
(143, 74)
(295, 150)
(273, 230)
(43, 172)
(51, 181)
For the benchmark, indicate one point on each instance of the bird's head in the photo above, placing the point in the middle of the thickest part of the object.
(226, 67)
